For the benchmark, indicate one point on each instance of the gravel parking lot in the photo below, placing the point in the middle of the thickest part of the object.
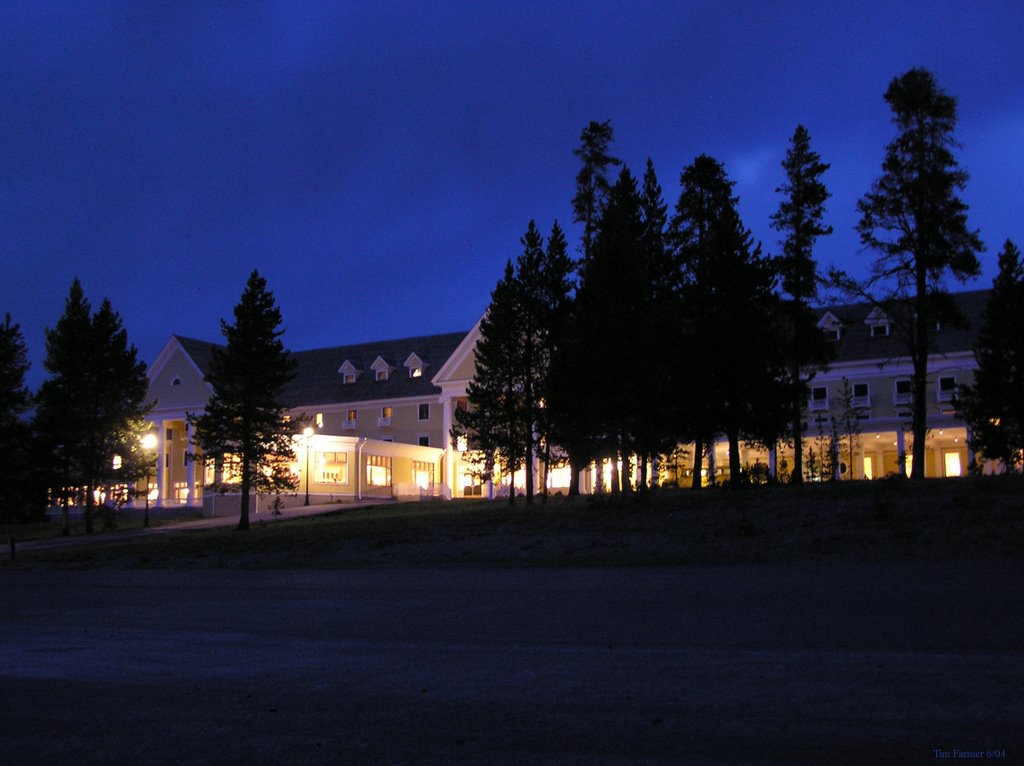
(808, 663)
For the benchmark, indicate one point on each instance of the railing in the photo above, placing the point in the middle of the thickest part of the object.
(819, 405)
(863, 402)
(383, 422)
(349, 425)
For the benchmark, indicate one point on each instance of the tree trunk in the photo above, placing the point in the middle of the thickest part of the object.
(735, 468)
(574, 477)
(698, 462)
(243, 517)
(919, 418)
(797, 476)
(88, 507)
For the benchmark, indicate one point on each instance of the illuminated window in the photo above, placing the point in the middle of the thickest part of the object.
(380, 375)
(351, 416)
(415, 372)
(331, 468)
(348, 378)
(378, 471)
(423, 474)
(471, 486)
(318, 420)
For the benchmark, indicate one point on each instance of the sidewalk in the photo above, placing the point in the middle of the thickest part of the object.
(192, 525)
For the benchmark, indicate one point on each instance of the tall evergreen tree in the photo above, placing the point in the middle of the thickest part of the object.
(917, 225)
(655, 431)
(727, 289)
(495, 425)
(993, 405)
(244, 423)
(554, 302)
(507, 424)
(93, 401)
(592, 184)
(611, 295)
(799, 220)
(14, 431)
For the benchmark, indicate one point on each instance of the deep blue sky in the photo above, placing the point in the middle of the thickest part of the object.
(379, 162)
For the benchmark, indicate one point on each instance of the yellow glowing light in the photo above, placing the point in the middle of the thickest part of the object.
(149, 441)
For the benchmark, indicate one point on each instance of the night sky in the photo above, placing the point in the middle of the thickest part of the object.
(379, 162)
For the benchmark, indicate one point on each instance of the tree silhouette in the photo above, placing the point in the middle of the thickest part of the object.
(917, 226)
(993, 405)
(799, 220)
(93, 403)
(244, 423)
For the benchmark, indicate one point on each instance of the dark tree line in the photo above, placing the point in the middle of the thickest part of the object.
(668, 332)
(680, 330)
(79, 439)
(90, 411)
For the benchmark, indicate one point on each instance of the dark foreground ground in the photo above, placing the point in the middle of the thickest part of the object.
(839, 662)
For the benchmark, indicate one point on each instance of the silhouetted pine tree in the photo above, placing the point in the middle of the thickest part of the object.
(799, 220)
(495, 424)
(592, 184)
(993, 405)
(92, 404)
(915, 222)
(15, 468)
(732, 358)
(244, 423)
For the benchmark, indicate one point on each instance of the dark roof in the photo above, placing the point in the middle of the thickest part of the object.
(317, 380)
(201, 351)
(856, 343)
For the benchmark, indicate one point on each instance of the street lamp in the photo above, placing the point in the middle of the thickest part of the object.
(308, 433)
(149, 445)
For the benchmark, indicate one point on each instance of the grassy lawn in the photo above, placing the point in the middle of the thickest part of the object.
(961, 518)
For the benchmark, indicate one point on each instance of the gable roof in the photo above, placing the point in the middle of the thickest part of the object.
(318, 378)
(856, 343)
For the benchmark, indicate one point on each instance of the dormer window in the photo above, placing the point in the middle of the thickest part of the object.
(878, 323)
(381, 369)
(349, 373)
(830, 326)
(415, 365)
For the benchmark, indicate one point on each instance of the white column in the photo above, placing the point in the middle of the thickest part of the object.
(901, 449)
(161, 449)
(448, 485)
(190, 469)
(773, 460)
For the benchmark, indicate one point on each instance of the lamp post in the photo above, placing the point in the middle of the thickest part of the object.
(149, 445)
(307, 432)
